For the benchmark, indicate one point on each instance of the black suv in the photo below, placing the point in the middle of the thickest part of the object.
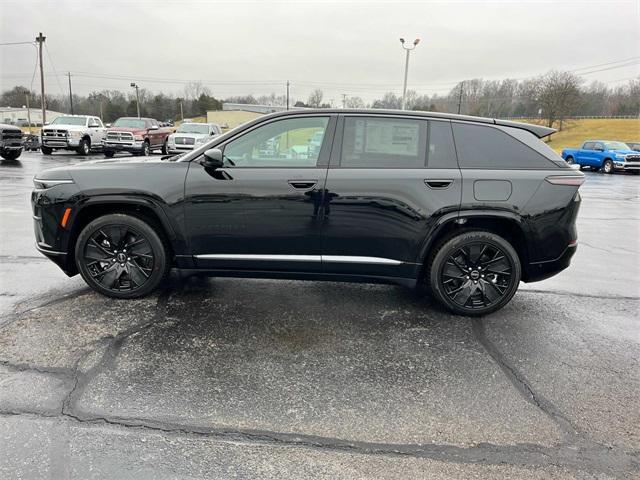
(471, 206)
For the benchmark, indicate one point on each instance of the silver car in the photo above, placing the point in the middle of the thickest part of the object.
(191, 135)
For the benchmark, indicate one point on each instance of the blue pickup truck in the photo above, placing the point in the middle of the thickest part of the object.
(604, 155)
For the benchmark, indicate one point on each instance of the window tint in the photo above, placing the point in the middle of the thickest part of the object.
(383, 143)
(442, 153)
(588, 146)
(488, 147)
(294, 142)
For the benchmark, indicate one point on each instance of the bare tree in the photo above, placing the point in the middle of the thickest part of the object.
(354, 102)
(559, 96)
(315, 99)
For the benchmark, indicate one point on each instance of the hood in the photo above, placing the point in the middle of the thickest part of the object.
(626, 152)
(126, 129)
(190, 135)
(4, 126)
(62, 126)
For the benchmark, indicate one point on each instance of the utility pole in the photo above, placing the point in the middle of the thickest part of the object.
(40, 39)
(70, 93)
(460, 97)
(181, 111)
(287, 94)
(344, 100)
(134, 85)
(406, 69)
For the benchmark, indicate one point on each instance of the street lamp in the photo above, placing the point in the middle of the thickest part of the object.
(134, 85)
(406, 68)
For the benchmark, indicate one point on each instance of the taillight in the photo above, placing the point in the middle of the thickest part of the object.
(573, 180)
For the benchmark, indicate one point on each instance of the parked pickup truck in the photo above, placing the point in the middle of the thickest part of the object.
(191, 135)
(81, 133)
(136, 135)
(604, 155)
(10, 142)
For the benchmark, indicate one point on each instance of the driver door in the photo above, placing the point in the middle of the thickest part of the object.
(261, 211)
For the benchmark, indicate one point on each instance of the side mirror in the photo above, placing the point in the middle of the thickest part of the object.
(213, 158)
(154, 127)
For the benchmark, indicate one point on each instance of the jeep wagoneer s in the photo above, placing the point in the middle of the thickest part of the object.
(469, 206)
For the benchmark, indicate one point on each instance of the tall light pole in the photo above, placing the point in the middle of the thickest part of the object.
(406, 68)
(40, 39)
(134, 85)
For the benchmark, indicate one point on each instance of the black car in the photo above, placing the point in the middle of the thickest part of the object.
(469, 206)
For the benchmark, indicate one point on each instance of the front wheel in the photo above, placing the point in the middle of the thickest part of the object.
(121, 256)
(607, 166)
(569, 160)
(84, 147)
(165, 149)
(11, 154)
(474, 273)
(46, 150)
(146, 149)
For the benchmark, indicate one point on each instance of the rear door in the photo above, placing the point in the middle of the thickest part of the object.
(262, 211)
(389, 177)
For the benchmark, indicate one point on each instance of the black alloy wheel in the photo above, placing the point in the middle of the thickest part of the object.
(475, 273)
(121, 256)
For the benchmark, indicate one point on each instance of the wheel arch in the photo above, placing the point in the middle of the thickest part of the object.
(143, 208)
(506, 224)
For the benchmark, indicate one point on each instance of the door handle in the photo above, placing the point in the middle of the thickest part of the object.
(303, 184)
(438, 184)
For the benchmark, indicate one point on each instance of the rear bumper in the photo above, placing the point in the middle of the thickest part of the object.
(537, 271)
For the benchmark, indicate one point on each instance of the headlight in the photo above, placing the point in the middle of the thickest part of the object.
(73, 134)
(200, 141)
(138, 137)
(171, 140)
(621, 156)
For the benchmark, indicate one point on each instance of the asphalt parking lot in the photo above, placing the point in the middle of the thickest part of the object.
(226, 378)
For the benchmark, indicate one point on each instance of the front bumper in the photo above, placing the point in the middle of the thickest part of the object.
(175, 148)
(120, 146)
(61, 143)
(626, 166)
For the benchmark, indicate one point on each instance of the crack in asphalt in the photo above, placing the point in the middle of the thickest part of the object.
(576, 294)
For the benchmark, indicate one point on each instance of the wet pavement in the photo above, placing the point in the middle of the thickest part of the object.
(227, 378)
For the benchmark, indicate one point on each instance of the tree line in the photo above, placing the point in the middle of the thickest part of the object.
(552, 97)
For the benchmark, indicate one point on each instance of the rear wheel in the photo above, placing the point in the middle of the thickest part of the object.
(474, 273)
(46, 150)
(607, 166)
(121, 256)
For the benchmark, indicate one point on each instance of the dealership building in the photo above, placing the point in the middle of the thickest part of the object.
(20, 116)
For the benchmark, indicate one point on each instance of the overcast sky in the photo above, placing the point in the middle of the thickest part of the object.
(341, 47)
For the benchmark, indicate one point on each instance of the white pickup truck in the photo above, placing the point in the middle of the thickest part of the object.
(81, 133)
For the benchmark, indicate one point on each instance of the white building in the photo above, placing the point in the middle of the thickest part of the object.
(20, 116)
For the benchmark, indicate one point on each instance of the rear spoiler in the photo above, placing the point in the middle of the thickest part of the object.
(538, 130)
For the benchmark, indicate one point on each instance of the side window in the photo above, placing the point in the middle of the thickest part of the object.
(383, 143)
(598, 146)
(294, 142)
(154, 123)
(442, 152)
(93, 122)
(480, 146)
(588, 146)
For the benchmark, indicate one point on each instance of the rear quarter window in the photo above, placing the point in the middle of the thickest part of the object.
(385, 142)
(487, 147)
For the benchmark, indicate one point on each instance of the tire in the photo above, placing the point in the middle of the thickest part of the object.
(569, 160)
(105, 265)
(636, 172)
(146, 149)
(84, 148)
(607, 166)
(109, 153)
(469, 292)
(11, 155)
(46, 150)
(165, 149)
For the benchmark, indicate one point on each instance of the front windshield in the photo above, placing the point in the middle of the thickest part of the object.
(129, 123)
(615, 146)
(70, 121)
(193, 128)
